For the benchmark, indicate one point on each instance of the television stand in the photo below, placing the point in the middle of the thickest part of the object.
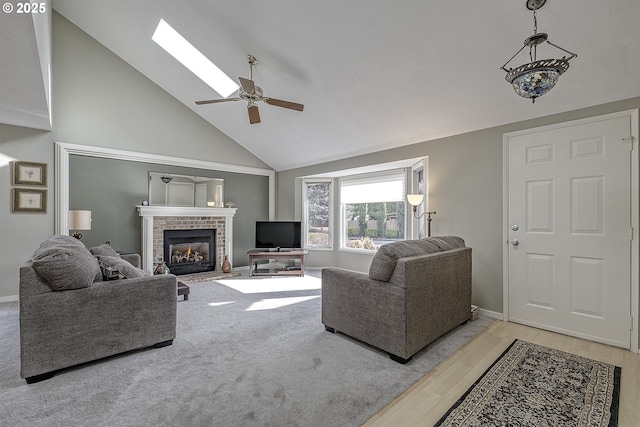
(258, 254)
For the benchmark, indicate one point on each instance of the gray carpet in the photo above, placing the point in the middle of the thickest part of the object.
(248, 352)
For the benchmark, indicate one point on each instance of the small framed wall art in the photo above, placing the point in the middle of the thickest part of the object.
(29, 173)
(29, 200)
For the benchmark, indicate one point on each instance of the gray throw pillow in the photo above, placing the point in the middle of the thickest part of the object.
(104, 250)
(116, 268)
(60, 240)
(66, 267)
(383, 264)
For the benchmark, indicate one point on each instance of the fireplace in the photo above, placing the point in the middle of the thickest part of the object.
(190, 251)
(157, 219)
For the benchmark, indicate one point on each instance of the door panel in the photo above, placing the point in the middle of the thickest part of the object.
(569, 198)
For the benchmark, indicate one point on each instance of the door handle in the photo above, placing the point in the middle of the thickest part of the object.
(515, 242)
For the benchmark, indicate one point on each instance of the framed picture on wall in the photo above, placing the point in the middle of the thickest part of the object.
(29, 173)
(29, 200)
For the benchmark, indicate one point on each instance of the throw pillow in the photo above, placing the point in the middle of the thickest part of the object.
(114, 268)
(382, 264)
(105, 250)
(59, 240)
(66, 267)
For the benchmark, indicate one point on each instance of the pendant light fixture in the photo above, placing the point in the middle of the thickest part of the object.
(538, 77)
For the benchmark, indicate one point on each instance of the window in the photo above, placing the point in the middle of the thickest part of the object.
(317, 214)
(373, 209)
(419, 187)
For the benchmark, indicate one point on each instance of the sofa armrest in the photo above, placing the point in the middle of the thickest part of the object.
(31, 283)
(370, 310)
(438, 293)
(133, 259)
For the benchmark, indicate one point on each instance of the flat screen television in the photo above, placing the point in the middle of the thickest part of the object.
(278, 234)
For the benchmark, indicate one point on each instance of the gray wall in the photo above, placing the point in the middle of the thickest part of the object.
(98, 100)
(20, 233)
(465, 189)
(111, 190)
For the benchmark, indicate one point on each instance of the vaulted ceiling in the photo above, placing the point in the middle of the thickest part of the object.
(372, 74)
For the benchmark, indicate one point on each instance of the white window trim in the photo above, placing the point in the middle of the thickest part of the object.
(413, 225)
(305, 220)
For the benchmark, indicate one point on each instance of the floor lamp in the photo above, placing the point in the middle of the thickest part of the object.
(415, 200)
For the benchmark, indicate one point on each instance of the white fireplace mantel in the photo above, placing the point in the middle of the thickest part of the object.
(149, 212)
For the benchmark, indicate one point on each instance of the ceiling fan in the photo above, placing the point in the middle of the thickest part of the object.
(252, 93)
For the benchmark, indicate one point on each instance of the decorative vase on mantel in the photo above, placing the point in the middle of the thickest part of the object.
(226, 265)
(161, 268)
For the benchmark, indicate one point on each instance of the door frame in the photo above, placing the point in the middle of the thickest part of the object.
(635, 221)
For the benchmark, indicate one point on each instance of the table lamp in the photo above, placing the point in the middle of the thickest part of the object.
(79, 220)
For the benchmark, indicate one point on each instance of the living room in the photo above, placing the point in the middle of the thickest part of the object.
(99, 100)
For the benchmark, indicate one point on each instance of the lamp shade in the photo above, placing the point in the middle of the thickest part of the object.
(80, 220)
(415, 199)
(537, 78)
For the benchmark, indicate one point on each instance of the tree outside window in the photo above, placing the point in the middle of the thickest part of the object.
(318, 208)
(373, 209)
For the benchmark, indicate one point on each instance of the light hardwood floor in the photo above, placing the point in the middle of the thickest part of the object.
(430, 398)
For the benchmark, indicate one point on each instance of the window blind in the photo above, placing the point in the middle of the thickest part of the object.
(388, 186)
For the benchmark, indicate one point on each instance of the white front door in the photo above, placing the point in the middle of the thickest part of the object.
(569, 236)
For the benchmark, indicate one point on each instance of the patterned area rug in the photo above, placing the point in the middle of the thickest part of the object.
(533, 385)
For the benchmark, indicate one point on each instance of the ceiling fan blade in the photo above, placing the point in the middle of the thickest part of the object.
(284, 104)
(254, 114)
(213, 101)
(247, 85)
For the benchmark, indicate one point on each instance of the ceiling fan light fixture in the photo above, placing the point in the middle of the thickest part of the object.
(183, 51)
(250, 92)
(538, 77)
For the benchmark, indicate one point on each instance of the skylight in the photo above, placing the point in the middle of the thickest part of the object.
(178, 47)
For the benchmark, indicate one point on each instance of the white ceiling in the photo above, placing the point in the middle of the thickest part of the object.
(372, 74)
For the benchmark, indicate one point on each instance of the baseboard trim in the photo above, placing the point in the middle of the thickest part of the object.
(10, 298)
(491, 314)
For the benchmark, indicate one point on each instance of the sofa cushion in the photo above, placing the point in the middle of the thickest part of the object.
(385, 259)
(104, 249)
(447, 243)
(116, 268)
(65, 264)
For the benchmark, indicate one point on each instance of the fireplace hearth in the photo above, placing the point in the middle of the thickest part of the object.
(190, 251)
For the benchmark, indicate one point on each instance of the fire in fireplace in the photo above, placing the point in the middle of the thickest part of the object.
(190, 251)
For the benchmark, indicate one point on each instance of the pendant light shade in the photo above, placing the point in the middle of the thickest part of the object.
(537, 77)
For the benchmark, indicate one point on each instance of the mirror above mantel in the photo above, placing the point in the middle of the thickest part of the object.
(169, 189)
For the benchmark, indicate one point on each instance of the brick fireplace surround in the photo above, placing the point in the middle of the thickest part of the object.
(156, 219)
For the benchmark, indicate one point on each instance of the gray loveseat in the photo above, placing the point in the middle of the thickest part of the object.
(416, 291)
(70, 313)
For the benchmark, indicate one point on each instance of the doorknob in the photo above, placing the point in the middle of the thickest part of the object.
(515, 242)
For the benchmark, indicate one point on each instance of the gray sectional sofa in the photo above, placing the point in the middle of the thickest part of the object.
(416, 291)
(79, 305)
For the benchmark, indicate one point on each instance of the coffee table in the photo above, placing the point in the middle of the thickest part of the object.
(184, 291)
